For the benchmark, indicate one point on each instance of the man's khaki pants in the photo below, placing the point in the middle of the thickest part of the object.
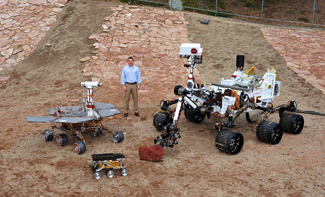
(131, 89)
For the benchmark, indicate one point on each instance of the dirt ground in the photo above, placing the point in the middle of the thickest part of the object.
(51, 77)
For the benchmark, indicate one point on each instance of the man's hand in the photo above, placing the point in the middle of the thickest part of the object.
(124, 88)
(138, 88)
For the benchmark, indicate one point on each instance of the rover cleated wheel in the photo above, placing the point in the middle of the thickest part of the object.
(229, 142)
(160, 120)
(292, 123)
(96, 133)
(253, 116)
(124, 172)
(110, 173)
(47, 135)
(79, 147)
(118, 137)
(191, 116)
(269, 132)
(62, 139)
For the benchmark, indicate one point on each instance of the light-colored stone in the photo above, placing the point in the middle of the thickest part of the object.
(16, 51)
(95, 79)
(85, 59)
(37, 2)
(26, 48)
(11, 61)
(7, 52)
(57, 9)
(3, 2)
(4, 42)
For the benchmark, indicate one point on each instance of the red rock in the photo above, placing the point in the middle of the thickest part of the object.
(154, 153)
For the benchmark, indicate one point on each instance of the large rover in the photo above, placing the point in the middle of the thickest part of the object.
(242, 93)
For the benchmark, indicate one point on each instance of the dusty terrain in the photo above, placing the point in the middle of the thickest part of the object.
(51, 77)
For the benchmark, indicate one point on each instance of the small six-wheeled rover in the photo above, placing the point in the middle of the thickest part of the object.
(109, 162)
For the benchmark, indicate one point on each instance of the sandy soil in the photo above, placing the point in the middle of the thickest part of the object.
(51, 77)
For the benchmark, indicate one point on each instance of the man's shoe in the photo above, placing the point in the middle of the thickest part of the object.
(126, 115)
(137, 114)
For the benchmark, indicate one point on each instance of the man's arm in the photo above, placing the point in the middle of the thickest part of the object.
(139, 78)
(123, 79)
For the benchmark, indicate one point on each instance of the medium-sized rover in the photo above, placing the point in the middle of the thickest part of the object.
(79, 119)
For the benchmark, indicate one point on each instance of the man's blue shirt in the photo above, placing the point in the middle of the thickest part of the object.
(130, 75)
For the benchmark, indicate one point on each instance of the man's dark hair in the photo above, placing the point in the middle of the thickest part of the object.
(130, 58)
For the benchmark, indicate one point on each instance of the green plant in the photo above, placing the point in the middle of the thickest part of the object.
(219, 14)
(304, 19)
(221, 4)
(249, 3)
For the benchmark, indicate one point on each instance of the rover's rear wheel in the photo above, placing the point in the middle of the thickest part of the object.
(292, 123)
(269, 132)
(118, 137)
(160, 120)
(124, 172)
(229, 142)
(62, 139)
(47, 135)
(191, 116)
(79, 147)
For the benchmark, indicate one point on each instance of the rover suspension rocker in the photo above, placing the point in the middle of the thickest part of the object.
(242, 93)
(79, 119)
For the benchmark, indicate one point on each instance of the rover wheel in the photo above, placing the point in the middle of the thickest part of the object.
(47, 135)
(110, 173)
(160, 120)
(269, 132)
(62, 139)
(253, 116)
(176, 88)
(97, 175)
(229, 142)
(96, 133)
(118, 137)
(79, 147)
(292, 123)
(124, 172)
(191, 116)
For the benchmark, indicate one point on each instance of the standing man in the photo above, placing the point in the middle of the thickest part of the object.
(131, 80)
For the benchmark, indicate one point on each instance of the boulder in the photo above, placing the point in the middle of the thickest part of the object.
(154, 153)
